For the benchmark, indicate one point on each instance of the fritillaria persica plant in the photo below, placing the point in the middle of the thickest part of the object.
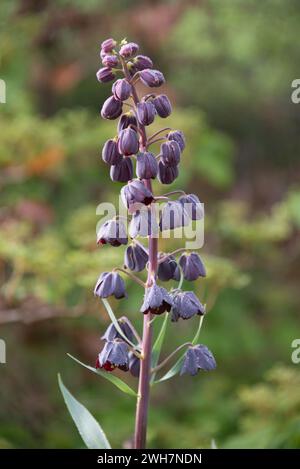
(132, 163)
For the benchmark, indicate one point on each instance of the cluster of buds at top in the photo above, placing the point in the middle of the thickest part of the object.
(132, 161)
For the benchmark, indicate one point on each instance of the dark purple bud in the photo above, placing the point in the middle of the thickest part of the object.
(110, 284)
(114, 355)
(129, 50)
(143, 223)
(170, 153)
(146, 166)
(192, 206)
(134, 194)
(108, 45)
(112, 232)
(162, 105)
(173, 216)
(110, 153)
(128, 143)
(145, 112)
(112, 108)
(168, 270)
(196, 358)
(121, 89)
(141, 62)
(167, 174)
(178, 136)
(123, 171)
(105, 74)
(126, 120)
(134, 365)
(110, 61)
(156, 300)
(111, 332)
(136, 258)
(192, 266)
(152, 78)
(185, 305)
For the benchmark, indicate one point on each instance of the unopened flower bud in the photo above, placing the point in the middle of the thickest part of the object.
(112, 108)
(185, 305)
(167, 174)
(110, 153)
(105, 75)
(142, 62)
(123, 171)
(145, 113)
(110, 61)
(152, 78)
(173, 216)
(178, 136)
(126, 120)
(112, 232)
(156, 300)
(168, 270)
(197, 357)
(128, 142)
(192, 206)
(110, 284)
(135, 257)
(134, 194)
(121, 89)
(192, 266)
(146, 166)
(108, 45)
(162, 105)
(170, 153)
(129, 50)
(134, 364)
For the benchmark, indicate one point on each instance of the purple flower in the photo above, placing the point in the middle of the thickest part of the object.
(185, 305)
(110, 61)
(143, 223)
(112, 232)
(178, 136)
(145, 113)
(110, 153)
(136, 257)
(168, 270)
(110, 284)
(108, 45)
(162, 105)
(170, 153)
(123, 171)
(167, 174)
(113, 355)
(146, 166)
(196, 358)
(152, 78)
(134, 364)
(132, 69)
(173, 216)
(105, 74)
(112, 108)
(111, 332)
(141, 62)
(192, 206)
(156, 300)
(128, 143)
(192, 266)
(129, 50)
(134, 194)
(126, 120)
(121, 89)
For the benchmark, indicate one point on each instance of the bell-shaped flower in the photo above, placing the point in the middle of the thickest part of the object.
(105, 75)
(192, 266)
(123, 171)
(178, 136)
(196, 358)
(126, 120)
(144, 223)
(152, 78)
(167, 174)
(128, 143)
(145, 112)
(134, 194)
(173, 216)
(168, 270)
(170, 153)
(110, 153)
(146, 165)
(121, 89)
(113, 355)
(129, 50)
(136, 257)
(112, 232)
(192, 206)
(156, 300)
(185, 305)
(110, 284)
(162, 105)
(112, 108)
(142, 61)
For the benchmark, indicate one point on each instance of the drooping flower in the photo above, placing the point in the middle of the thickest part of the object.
(162, 105)
(192, 206)
(110, 61)
(111, 109)
(145, 112)
(152, 78)
(128, 142)
(123, 171)
(110, 153)
(167, 174)
(110, 284)
(170, 153)
(192, 266)
(141, 62)
(121, 89)
(112, 232)
(168, 269)
(136, 257)
(177, 136)
(105, 74)
(185, 305)
(126, 120)
(196, 358)
(108, 45)
(134, 194)
(144, 223)
(134, 364)
(173, 216)
(113, 355)
(146, 165)
(129, 50)
(156, 300)
(112, 333)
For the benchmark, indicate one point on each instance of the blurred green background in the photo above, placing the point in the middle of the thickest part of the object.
(229, 67)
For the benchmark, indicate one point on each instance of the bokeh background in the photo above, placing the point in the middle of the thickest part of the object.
(229, 67)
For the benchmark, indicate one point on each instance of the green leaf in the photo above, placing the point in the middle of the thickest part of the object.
(110, 377)
(115, 322)
(158, 345)
(88, 427)
(196, 338)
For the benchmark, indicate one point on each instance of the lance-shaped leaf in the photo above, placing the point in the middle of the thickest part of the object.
(88, 427)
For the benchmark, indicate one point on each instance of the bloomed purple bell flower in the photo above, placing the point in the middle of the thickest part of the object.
(152, 78)
(162, 105)
(173, 216)
(145, 112)
(156, 300)
(170, 153)
(143, 223)
(167, 174)
(192, 266)
(196, 358)
(112, 333)
(193, 206)
(123, 171)
(168, 270)
(146, 165)
(134, 194)
(121, 89)
(113, 355)
(129, 50)
(136, 257)
(110, 284)
(108, 45)
(127, 119)
(110, 153)
(112, 108)
(141, 62)
(110, 61)
(128, 142)
(105, 74)
(112, 232)
(185, 305)
(134, 364)
(178, 137)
